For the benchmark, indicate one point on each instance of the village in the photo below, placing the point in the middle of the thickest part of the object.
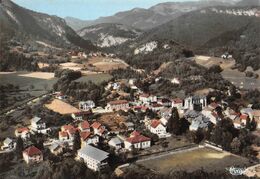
(94, 132)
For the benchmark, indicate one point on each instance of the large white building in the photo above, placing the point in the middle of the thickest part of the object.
(117, 105)
(86, 105)
(94, 158)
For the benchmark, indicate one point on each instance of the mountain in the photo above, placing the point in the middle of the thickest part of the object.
(107, 34)
(214, 31)
(26, 25)
(144, 19)
(77, 24)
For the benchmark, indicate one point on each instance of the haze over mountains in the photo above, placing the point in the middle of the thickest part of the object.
(156, 15)
(26, 25)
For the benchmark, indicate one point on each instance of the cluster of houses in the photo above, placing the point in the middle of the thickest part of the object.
(195, 109)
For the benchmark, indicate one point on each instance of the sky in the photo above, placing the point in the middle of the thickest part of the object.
(86, 9)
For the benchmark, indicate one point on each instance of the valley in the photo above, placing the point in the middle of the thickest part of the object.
(166, 91)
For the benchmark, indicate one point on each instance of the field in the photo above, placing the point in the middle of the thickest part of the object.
(206, 158)
(105, 64)
(95, 78)
(25, 80)
(234, 76)
(61, 107)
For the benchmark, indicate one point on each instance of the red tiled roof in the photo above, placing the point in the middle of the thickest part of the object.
(73, 130)
(31, 151)
(67, 127)
(96, 125)
(156, 105)
(118, 102)
(63, 134)
(22, 129)
(137, 139)
(177, 100)
(155, 123)
(85, 135)
(135, 133)
(84, 125)
(214, 114)
(243, 116)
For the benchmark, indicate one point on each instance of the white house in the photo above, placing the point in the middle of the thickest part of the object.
(32, 155)
(94, 158)
(157, 128)
(88, 138)
(22, 132)
(118, 105)
(77, 116)
(56, 149)
(115, 143)
(37, 124)
(156, 107)
(177, 103)
(164, 102)
(86, 105)
(8, 144)
(137, 141)
(146, 98)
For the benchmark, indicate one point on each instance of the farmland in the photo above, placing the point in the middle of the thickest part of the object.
(61, 107)
(206, 158)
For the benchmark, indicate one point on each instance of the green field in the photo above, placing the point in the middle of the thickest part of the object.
(26, 82)
(95, 78)
(206, 158)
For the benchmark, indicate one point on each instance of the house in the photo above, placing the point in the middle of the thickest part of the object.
(22, 132)
(99, 129)
(84, 126)
(137, 141)
(118, 105)
(37, 124)
(211, 114)
(226, 56)
(115, 143)
(156, 107)
(56, 149)
(8, 144)
(244, 118)
(63, 135)
(177, 103)
(195, 103)
(94, 158)
(77, 116)
(156, 127)
(146, 98)
(32, 155)
(166, 112)
(86, 105)
(199, 122)
(129, 126)
(175, 81)
(164, 121)
(70, 130)
(88, 138)
(164, 102)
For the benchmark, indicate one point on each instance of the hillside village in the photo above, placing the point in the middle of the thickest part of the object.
(111, 101)
(130, 125)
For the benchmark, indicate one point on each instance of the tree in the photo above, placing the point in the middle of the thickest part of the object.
(173, 125)
(253, 124)
(76, 141)
(19, 147)
(236, 145)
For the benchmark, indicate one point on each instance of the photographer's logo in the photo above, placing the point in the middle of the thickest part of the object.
(236, 171)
